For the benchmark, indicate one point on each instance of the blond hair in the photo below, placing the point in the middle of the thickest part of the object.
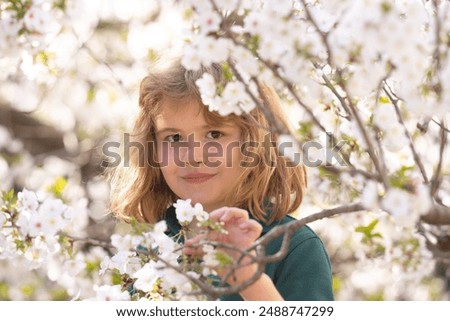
(269, 190)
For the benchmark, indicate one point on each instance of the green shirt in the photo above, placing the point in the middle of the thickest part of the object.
(304, 274)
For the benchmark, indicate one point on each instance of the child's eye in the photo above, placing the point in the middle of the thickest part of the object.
(173, 138)
(214, 134)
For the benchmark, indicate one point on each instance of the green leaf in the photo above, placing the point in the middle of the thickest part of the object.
(400, 178)
(368, 231)
(337, 283)
(28, 290)
(305, 129)
(386, 7)
(9, 198)
(223, 258)
(227, 72)
(90, 96)
(383, 100)
(59, 295)
(152, 55)
(92, 266)
(188, 13)
(116, 278)
(4, 292)
(20, 245)
(253, 43)
(139, 228)
(58, 187)
(60, 4)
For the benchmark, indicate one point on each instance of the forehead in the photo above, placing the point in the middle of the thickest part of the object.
(173, 109)
(189, 111)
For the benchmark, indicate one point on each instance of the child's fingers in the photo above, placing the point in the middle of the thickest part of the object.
(252, 229)
(226, 214)
(192, 246)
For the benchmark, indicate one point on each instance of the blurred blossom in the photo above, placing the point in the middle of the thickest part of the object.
(2, 220)
(38, 20)
(98, 189)
(146, 277)
(134, 9)
(369, 197)
(398, 203)
(110, 293)
(78, 71)
(8, 33)
(27, 200)
(4, 174)
(209, 22)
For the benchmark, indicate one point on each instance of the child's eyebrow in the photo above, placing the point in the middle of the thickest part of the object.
(168, 129)
(204, 127)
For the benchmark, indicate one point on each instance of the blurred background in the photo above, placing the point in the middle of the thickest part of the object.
(71, 85)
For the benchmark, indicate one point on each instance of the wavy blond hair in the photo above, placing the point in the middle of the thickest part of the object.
(269, 190)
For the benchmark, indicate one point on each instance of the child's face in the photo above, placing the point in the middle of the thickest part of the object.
(198, 161)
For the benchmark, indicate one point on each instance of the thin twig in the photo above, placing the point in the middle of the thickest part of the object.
(323, 35)
(349, 107)
(285, 82)
(440, 125)
(436, 179)
(90, 241)
(353, 171)
(416, 156)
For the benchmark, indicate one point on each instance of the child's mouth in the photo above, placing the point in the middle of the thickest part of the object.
(198, 178)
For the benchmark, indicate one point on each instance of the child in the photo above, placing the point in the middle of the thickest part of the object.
(197, 154)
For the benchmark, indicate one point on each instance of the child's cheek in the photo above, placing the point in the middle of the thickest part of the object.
(165, 154)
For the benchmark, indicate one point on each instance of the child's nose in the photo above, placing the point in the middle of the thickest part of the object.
(193, 154)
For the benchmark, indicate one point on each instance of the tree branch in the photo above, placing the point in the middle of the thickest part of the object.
(437, 215)
(288, 229)
(436, 179)
(411, 143)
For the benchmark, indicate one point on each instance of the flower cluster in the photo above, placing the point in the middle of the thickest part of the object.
(374, 73)
(146, 264)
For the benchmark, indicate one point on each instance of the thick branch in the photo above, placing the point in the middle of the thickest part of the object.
(288, 229)
(437, 215)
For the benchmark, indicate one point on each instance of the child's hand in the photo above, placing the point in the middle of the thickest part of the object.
(242, 233)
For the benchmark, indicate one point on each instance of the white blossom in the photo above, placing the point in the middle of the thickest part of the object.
(207, 87)
(228, 5)
(121, 261)
(110, 293)
(38, 20)
(212, 50)
(27, 200)
(160, 227)
(191, 60)
(184, 211)
(199, 213)
(369, 197)
(209, 22)
(127, 242)
(398, 203)
(385, 116)
(422, 202)
(2, 219)
(235, 99)
(146, 277)
(395, 139)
